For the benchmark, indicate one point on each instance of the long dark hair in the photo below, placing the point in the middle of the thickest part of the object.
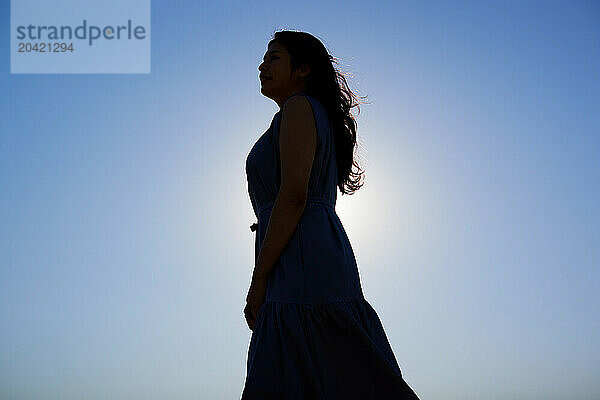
(328, 85)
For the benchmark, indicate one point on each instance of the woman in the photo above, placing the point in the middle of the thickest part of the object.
(314, 335)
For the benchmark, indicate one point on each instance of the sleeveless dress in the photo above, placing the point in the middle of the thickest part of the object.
(315, 337)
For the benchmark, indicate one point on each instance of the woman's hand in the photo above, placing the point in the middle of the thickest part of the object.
(255, 299)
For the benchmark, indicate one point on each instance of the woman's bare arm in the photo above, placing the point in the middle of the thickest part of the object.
(297, 147)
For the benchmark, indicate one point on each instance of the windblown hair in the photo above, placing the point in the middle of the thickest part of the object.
(328, 85)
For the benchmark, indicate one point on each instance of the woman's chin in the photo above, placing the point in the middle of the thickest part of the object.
(264, 91)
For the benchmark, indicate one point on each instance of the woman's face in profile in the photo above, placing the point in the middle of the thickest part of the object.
(275, 80)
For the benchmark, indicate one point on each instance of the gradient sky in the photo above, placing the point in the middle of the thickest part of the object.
(125, 246)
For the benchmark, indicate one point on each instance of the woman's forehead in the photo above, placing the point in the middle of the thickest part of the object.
(276, 46)
(275, 49)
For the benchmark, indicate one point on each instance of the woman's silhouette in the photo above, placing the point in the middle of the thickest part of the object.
(314, 335)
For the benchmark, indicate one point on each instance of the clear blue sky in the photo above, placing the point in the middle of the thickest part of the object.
(125, 246)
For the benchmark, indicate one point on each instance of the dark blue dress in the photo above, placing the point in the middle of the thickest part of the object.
(316, 337)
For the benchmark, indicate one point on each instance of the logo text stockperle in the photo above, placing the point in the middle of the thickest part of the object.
(84, 31)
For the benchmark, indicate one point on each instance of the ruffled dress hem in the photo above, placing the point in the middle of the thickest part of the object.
(330, 350)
